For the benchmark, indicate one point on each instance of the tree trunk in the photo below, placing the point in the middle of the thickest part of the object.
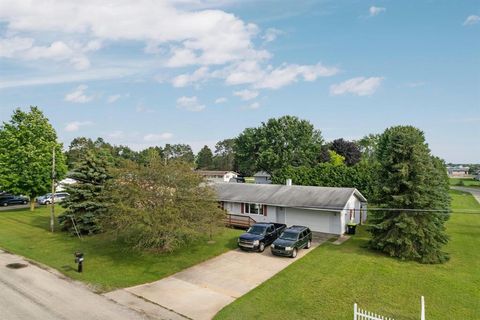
(32, 203)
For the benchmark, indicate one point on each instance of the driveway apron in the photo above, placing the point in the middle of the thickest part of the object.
(201, 291)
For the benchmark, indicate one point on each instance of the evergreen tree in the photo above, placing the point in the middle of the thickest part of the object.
(86, 202)
(410, 178)
(204, 158)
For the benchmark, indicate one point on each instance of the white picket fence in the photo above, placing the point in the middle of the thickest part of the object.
(360, 314)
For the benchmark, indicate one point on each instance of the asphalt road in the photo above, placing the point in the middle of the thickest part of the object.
(474, 191)
(18, 206)
(34, 293)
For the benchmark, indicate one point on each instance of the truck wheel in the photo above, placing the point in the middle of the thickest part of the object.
(24, 202)
(309, 244)
(294, 253)
(261, 247)
(5, 204)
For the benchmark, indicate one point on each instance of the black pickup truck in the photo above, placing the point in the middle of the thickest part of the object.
(260, 235)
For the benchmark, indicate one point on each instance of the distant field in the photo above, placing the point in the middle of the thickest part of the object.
(108, 264)
(326, 282)
(467, 182)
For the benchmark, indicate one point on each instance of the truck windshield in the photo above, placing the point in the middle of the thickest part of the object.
(257, 230)
(289, 236)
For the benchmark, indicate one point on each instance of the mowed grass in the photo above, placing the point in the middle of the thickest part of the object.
(465, 182)
(108, 264)
(326, 283)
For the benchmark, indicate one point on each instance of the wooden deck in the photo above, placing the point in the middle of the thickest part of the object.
(239, 221)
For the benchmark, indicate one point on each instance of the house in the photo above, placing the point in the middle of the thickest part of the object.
(458, 171)
(262, 177)
(322, 209)
(217, 176)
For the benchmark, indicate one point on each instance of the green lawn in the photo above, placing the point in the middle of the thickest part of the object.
(465, 182)
(325, 283)
(108, 265)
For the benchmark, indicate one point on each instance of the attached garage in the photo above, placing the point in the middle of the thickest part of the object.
(320, 221)
(322, 209)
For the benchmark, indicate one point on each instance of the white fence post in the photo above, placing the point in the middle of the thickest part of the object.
(422, 316)
(355, 311)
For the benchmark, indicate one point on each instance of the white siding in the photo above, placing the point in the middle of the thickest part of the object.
(352, 208)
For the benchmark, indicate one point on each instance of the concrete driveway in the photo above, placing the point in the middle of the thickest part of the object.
(35, 293)
(202, 290)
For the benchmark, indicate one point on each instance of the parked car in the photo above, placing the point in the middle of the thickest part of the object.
(47, 199)
(260, 235)
(292, 240)
(8, 199)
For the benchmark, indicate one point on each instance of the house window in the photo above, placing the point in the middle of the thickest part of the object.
(253, 208)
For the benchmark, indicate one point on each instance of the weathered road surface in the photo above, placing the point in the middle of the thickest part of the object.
(474, 191)
(34, 293)
(13, 207)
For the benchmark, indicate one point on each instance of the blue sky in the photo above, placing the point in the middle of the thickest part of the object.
(145, 73)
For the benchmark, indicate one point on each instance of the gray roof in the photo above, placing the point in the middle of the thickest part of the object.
(262, 174)
(326, 198)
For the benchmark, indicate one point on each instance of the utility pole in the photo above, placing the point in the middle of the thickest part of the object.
(52, 212)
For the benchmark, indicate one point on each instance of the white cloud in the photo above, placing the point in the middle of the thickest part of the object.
(246, 94)
(289, 73)
(97, 74)
(154, 137)
(113, 98)
(375, 11)
(416, 84)
(220, 100)
(24, 48)
(253, 106)
(359, 86)
(271, 34)
(78, 95)
(193, 36)
(190, 104)
(75, 125)
(184, 80)
(471, 20)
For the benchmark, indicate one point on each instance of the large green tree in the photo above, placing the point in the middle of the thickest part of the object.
(224, 158)
(86, 202)
(347, 149)
(178, 152)
(412, 182)
(204, 158)
(161, 206)
(276, 144)
(27, 142)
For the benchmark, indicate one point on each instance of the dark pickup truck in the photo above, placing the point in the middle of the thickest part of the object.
(260, 235)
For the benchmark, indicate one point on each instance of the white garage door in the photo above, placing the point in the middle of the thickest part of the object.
(316, 220)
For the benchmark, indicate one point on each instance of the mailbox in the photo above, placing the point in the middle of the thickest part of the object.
(79, 260)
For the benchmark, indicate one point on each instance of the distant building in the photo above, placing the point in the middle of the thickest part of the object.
(218, 175)
(458, 171)
(63, 183)
(262, 177)
(477, 176)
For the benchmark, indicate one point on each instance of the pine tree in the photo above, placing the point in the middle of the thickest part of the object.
(86, 202)
(410, 178)
(205, 158)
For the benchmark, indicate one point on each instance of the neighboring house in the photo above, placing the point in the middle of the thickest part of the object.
(262, 177)
(322, 209)
(477, 176)
(217, 176)
(458, 171)
(63, 183)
